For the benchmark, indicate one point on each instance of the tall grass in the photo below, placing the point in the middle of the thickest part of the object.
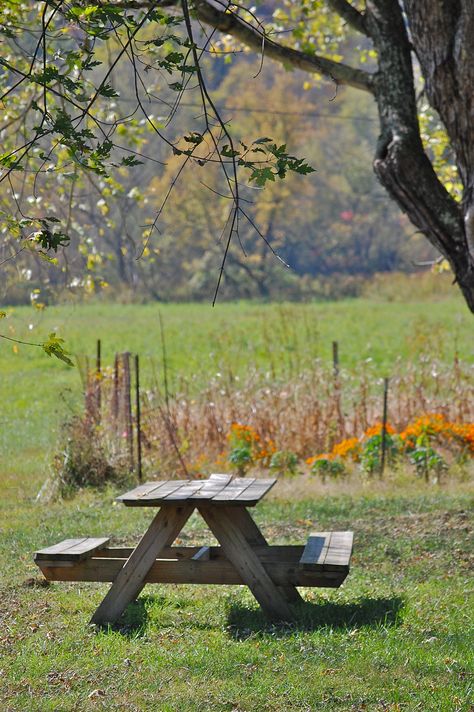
(188, 431)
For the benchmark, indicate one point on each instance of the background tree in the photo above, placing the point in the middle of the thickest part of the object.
(434, 33)
(62, 110)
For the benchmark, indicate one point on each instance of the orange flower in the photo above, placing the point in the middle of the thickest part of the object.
(349, 447)
(377, 429)
(323, 456)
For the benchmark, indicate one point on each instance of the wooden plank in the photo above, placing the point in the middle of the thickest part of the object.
(184, 492)
(253, 494)
(204, 554)
(342, 540)
(187, 571)
(158, 496)
(328, 551)
(233, 489)
(258, 542)
(139, 491)
(130, 580)
(162, 490)
(220, 477)
(72, 549)
(316, 549)
(246, 562)
(155, 496)
(285, 553)
(213, 486)
(289, 553)
(337, 558)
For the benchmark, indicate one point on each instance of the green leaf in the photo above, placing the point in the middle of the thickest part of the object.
(130, 161)
(227, 152)
(107, 90)
(261, 175)
(194, 137)
(54, 347)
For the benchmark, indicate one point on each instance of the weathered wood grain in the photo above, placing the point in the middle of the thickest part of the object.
(257, 541)
(189, 571)
(72, 549)
(130, 580)
(218, 488)
(328, 551)
(204, 554)
(245, 561)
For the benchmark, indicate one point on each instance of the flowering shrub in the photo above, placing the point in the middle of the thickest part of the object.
(247, 448)
(371, 451)
(348, 448)
(436, 427)
(418, 442)
(326, 465)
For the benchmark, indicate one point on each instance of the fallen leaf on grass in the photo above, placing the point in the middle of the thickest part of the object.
(95, 694)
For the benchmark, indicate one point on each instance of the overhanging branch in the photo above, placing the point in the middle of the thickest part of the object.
(353, 17)
(254, 38)
(231, 23)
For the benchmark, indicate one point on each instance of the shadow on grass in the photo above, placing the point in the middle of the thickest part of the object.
(133, 623)
(244, 622)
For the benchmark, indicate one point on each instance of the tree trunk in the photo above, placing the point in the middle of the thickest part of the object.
(400, 162)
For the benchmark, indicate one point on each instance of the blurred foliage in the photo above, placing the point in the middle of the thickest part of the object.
(117, 180)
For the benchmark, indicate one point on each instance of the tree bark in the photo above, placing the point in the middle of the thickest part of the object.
(401, 163)
(443, 39)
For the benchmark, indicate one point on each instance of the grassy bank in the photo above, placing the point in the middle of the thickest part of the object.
(397, 636)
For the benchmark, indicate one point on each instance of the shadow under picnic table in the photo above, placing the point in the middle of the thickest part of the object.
(244, 622)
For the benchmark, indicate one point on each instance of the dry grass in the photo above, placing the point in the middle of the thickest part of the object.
(187, 433)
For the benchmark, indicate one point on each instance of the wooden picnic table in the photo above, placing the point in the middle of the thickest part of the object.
(244, 557)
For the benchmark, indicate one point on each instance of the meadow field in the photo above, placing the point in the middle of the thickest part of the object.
(397, 636)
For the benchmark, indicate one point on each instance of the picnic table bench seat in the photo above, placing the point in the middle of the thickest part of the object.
(318, 564)
(243, 556)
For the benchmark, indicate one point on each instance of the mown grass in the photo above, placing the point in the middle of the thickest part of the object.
(397, 636)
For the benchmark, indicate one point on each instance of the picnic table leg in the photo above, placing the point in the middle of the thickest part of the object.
(226, 528)
(255, 538)
(128, 583)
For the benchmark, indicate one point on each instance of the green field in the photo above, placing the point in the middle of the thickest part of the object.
(37, 392)
(397, 636)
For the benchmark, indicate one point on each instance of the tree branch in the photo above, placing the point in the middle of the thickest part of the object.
(232, 24)
(353, 17)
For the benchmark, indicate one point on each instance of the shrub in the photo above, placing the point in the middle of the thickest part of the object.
(326, 466)
(284, 462)
(83, 460)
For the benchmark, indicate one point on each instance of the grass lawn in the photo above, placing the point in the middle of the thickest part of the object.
(399, 633)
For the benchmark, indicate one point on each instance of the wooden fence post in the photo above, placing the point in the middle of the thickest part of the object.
(98, 385)
(128, 406)
(335, 358)
(384, 425)
(138, 418)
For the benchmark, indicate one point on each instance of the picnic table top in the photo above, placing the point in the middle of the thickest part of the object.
(223, 490)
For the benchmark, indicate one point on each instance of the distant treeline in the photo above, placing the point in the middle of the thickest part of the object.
(333, 229)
